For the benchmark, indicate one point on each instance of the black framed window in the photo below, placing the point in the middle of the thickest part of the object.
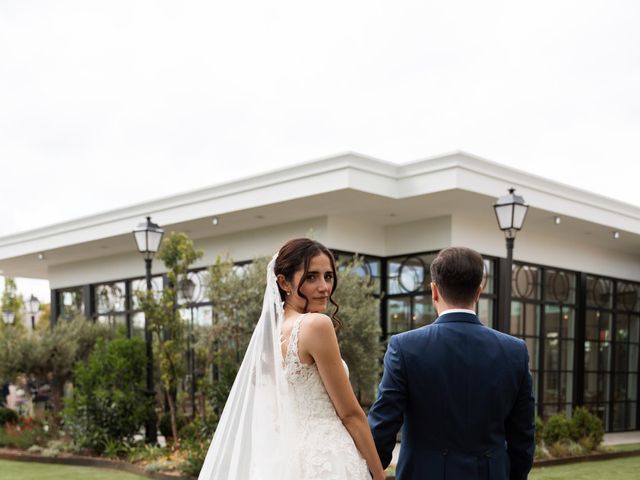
(543, 314)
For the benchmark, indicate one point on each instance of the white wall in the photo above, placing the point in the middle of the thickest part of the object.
(238, 246)
(419, 236)
(545, 249)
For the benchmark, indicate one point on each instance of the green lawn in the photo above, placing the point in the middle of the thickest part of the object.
(41, 471)
(620, 469)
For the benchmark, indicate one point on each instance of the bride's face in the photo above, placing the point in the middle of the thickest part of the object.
(317, 286)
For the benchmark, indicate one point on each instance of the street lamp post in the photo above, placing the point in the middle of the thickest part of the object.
(510, 211)
(33, 307)
(148, 236)
(187, 287)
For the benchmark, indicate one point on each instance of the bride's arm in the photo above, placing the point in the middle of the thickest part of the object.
(318, 340)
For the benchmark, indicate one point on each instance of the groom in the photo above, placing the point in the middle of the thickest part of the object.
(461, 391)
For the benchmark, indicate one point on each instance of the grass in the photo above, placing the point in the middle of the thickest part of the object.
(625, 447)
(10, 470)
(620, 469)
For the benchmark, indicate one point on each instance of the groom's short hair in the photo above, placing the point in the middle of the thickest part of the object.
(458, 272)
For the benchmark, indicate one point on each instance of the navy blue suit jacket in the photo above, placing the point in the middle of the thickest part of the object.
(462, 394)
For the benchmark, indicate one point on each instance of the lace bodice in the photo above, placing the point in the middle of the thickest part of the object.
(327, 448)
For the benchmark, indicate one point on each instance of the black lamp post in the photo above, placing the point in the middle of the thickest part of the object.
(33, 307)
(148, 236)
(8, 317)
(188, 287)
(511, 211)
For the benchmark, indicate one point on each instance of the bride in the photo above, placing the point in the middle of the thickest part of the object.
(291, 413)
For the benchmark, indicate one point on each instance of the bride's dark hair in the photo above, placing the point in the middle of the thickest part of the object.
(296, 254)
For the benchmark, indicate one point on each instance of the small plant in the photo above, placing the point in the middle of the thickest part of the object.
(539, 430)
(557, 429)
(586, 428)
(8, 416)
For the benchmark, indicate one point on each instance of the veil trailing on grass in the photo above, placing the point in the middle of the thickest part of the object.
(255, 434)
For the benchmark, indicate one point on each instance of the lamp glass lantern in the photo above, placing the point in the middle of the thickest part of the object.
(511, 211)
(148, 236)
(8, 316)
(33, 305)
(187, 288)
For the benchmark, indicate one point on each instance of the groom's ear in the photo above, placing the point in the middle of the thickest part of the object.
(435, 295)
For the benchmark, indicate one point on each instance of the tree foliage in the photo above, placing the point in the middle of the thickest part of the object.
(49, 356)
(109, 402)
(237, 295)
(178, 254)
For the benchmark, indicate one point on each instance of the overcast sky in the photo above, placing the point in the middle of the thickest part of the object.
(103, 104)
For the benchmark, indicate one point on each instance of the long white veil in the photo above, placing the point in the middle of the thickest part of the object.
(255, 434)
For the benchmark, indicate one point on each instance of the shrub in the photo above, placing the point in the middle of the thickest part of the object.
(165, 424)
(200, 428)
(557, 428)
(539, 430)
(586, 427)
(109, 402)
(196, 451)
(8, 416)
(23, 434)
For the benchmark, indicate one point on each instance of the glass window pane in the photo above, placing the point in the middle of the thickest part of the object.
(628, 298)
(566, 355)
(634, 328)
(559, 286)
(567, 323)
(424, 312)
(632, 386)
(622, 328)
(599, 292)
(532, 347)
(619, 416)
(603, 388)
(485, 311)
(633, 358)
(592, 325)
(551, 354)
(590, 355)
(532, 319)
(110, 297)
(140, 285)
(398, 315)
(605, 326)
(621, 354)
(566, 387)
(137, 325)
(590, 387)
(620, 387)
(526, 282)
(72, 300)
(517, 319)
(489, 276)
(604, 356)
(552, 321)
(551, 382)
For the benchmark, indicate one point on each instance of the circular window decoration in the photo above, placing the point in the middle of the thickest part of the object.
(627, 297)
(524, 282)
(559, 287)
(601, 293)
(411, 274)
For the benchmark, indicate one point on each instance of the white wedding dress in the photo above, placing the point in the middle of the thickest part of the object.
(279, 422)
(325, 450)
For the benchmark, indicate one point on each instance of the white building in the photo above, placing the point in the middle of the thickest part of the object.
(576, 278)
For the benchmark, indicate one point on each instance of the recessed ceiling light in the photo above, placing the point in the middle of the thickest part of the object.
(557, 220)
(259, 217)
(40, 256)
(616, 235)
(215, 220)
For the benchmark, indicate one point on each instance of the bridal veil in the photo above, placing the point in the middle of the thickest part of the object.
(255, 437)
